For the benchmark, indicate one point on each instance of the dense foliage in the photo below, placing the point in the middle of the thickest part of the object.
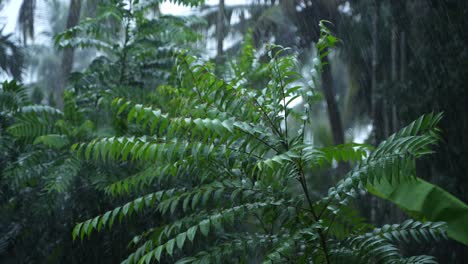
(154, 153)
(231, 175)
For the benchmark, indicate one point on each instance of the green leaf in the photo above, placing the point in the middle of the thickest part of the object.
(205, 227)
(76, 230)
(158, 252)
(425, 201)
(192, 232)
(195, 200)
(170, 246)
(84, 229)
(180, 239)
(186, 260)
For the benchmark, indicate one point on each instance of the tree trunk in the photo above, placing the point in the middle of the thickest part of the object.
(220, 31)
(333, 112)
(68, 53)
(377, 102)
(332, 106)
(402, 56)
(394, 123)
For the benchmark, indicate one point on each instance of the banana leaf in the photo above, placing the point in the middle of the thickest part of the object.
(427, 202)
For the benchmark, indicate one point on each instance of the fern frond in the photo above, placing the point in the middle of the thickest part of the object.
(169, 200)
(225, 130)
(41, 110)
(107, 219)
(371, 248)
(145, 179)
(223, 194)
(238, 247)
(149, 149)
(423, 259)
(411, 230)
(54, 141)
(34, 121)
(423, 125)
(282, 250)
(277, 161)
(29, 167)
(343, 222)
(393, 166)
(377, 244)
(13, 96)
(59, 178)
(214, 94)
(392, 160)
(212, 222)
(318, 157)
(247, 56)
(344, 256)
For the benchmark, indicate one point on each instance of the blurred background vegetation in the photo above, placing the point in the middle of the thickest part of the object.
(395, 61)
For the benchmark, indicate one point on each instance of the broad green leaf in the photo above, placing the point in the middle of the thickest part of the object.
(425, 201)
(191, 233)
(76, 230)
(205, 227)
(181, 240)
(158, 252)
(170, 246)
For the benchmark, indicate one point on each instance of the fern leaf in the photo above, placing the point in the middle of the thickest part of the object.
(414, 230)
(107, 219)
(418, 260)
(210, 223)
(55, 141)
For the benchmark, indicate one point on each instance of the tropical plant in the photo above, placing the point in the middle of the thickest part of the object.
(228, 178)
(135, 42)
(11, 56)
(41, 179)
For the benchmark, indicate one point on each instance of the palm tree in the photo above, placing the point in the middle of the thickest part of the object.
(68, 53)
(11, 56)
(26, 22)
(285, 21)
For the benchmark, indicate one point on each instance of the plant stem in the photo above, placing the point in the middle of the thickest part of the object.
(123, 58)
(323, 238)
